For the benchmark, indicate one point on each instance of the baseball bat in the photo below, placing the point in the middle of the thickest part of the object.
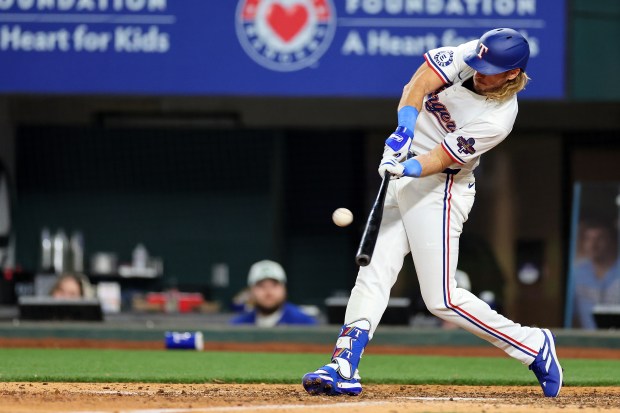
(371, 230)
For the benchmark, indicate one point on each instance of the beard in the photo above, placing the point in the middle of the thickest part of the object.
(267, 310)
(483, 90)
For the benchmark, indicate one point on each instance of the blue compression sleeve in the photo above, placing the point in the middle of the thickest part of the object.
(413, 168)
(407, 115)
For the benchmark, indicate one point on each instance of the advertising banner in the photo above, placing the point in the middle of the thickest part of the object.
(366, 48)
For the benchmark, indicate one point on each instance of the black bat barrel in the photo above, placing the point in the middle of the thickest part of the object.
(371, 230)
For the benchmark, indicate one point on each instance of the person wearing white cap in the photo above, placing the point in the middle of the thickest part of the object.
(267, 283)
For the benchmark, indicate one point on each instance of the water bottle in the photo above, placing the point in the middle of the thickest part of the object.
(60, 251)
(77, 251)
(140, 257)
(46, 250)
(184, 340)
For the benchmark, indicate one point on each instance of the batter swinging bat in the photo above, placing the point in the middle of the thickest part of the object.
(371, 230)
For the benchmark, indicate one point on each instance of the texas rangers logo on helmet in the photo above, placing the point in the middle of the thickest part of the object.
(466, 145)
(483, 50)
(285, 35)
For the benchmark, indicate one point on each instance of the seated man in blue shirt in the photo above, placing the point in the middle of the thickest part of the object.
(597, 278)
(267, 283)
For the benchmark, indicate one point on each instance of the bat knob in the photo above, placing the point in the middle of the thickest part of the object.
(362, 260)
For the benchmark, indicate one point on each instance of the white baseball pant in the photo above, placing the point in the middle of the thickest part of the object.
(426, 216)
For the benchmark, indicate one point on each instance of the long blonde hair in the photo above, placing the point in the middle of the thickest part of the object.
(510, 88)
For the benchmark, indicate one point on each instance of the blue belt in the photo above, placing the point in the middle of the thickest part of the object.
(448, 171)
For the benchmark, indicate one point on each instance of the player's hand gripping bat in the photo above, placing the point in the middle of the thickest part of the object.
(371, 230)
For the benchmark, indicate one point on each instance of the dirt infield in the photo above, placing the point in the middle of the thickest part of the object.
(231, 398)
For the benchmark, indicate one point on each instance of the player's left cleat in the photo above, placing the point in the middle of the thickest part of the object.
(547, 368)
(327, 381)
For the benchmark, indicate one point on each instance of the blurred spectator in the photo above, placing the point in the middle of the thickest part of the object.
(597, 274)
(267, 298)
(6, 240)
(71, 287)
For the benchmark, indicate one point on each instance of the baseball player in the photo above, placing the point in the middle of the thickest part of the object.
(461, 103)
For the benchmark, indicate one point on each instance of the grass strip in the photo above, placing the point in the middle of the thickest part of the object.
(95, 365)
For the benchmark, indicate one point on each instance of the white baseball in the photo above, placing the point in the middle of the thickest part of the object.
(342, 217)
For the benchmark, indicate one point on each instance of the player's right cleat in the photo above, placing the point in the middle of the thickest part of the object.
(547, 368)
(341, 375)
(327, 381)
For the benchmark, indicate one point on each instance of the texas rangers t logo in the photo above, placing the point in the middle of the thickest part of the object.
(285, 35)
(483, 50)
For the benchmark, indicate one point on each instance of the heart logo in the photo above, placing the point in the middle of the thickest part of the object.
(287, 22)
(285, 35)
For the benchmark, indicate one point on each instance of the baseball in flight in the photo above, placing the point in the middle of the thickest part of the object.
(342, 217)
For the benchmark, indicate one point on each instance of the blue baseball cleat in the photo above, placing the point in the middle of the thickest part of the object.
(547, 368)
(326, 380)
(341, 375)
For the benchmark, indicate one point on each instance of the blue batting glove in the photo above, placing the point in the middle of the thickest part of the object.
(398, 143)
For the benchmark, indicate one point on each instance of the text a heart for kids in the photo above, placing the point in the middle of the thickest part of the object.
(128, 39)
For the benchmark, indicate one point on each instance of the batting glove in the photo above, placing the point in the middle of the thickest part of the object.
(396, 147)
(398, 143)
(392, 166)
(411, 167)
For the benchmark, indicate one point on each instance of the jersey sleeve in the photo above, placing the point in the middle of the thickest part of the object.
(468, 143)
(448, 62)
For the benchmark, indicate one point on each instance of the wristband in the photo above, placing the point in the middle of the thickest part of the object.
(407, 115)
(413, 168)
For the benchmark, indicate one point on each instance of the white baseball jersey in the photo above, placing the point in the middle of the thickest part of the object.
(464, 123)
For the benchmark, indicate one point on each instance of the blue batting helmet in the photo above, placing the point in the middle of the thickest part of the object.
(499, 50)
